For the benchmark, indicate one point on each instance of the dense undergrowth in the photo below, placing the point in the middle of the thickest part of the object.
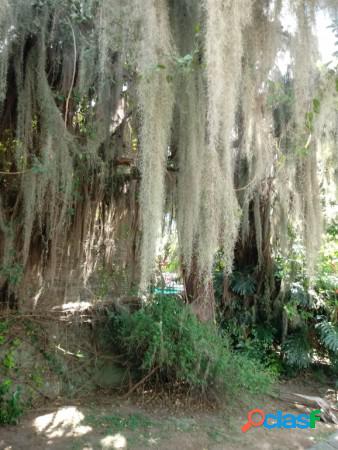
(296, 329)
(11, 405)
(166, 338)
(41, 360)
(252, 343)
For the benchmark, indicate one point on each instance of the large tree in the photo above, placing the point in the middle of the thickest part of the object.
(114, 115)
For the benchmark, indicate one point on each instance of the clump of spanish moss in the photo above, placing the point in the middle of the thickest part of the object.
(156, 103)
(109, 108)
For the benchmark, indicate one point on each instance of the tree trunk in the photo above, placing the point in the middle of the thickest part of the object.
(199, 293)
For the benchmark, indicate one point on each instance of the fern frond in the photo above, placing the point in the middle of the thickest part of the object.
(298, 350)
(329, 335)
(243, 283)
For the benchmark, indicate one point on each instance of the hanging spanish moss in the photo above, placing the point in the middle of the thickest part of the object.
(117, 117)
(224, 62)
(4, 31)
(190, 121)
(156, 102)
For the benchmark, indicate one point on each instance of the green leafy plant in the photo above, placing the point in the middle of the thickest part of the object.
(9, 361)
(10, 403)
(329, 335)
(12, 272)
(243, 283)
(298, 350)
(165, 337)
(310, 304)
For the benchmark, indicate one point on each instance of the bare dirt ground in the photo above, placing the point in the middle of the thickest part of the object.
(146, 422)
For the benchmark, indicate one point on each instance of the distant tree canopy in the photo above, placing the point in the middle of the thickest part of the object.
(178, 107)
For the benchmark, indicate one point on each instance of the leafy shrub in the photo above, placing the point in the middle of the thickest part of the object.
(260, 346)
(292, 325)
(10, 403)
(165, 336)
(243, 283)
(298, 350)
(329, 335)
(311, 304)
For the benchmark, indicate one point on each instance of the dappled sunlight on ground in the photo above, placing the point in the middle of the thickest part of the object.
(66, 428)
(103, 422)
(65, 422)
(116, 441)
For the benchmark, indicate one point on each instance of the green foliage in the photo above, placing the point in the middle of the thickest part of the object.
(166, 336)
(10, 403)
(249, 335)
(9, 361)
(120, 423)
(303, 326)
(37, 166)
(257, 343)
(7, 148)
(191, 61)
(298, 350)
(316, 105)
(310, 116)
(309, 120)
(310, 304)
(329, 335)
(243, 283)
(12, 272)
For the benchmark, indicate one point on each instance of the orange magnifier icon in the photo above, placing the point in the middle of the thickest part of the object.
(251, 423)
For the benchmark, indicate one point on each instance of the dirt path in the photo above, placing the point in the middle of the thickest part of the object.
(94, 424)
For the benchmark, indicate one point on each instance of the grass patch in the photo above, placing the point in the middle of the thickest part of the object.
(118, 423)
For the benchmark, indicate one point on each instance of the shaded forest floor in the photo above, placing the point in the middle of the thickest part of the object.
(153, 421)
